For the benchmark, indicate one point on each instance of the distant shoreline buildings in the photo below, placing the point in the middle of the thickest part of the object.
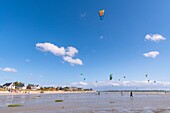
(23, 86)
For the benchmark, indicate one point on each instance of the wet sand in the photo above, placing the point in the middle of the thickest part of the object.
(106, 102)
(39, 92)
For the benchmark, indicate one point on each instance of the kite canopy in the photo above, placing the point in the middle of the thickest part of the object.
(101, 14)
(146, 75)
(111, 77)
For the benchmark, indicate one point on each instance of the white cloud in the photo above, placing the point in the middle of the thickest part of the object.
(71, 51)
(8, 69)
(67, 54)
(152, 54)
(117, 84)
(73, 61)
(79, 84)
(154, 37)
(48, 47)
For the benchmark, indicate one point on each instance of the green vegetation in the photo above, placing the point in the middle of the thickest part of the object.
(18, 83)
(14, 105)
(58, 100)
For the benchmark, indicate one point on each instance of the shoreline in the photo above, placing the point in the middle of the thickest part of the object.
(76, 92)
(44, 92)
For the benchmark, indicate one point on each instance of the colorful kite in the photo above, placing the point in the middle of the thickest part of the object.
(101, 14)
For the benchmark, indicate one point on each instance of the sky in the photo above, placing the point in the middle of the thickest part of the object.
(61, 42)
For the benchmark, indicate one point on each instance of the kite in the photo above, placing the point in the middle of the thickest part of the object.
(101, 14)
(146, 75)
(82, 76)
(111, 77)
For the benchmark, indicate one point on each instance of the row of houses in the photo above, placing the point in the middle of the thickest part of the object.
(74, 89)
(20, 86)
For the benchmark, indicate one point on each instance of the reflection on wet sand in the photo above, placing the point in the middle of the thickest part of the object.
(87, 103)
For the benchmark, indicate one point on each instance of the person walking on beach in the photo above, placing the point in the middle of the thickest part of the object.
(98, 93)
(131, 94)
(121, 93)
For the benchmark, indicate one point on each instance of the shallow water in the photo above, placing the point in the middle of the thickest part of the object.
(86, 103)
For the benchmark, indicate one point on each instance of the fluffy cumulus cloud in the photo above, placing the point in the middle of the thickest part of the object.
(66, 53)
(152, 54)
(154, 37)
(72, 61)
(8, 69)
(71, 51)
(48, 47)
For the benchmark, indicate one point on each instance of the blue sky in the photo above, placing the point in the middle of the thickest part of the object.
(33, 32)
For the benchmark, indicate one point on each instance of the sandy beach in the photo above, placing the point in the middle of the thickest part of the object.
(106, 102)
(39, 92)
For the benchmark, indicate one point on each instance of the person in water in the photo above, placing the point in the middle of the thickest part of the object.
(131, 94)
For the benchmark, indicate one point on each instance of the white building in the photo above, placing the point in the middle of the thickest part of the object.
(34, 87)
(9, 86)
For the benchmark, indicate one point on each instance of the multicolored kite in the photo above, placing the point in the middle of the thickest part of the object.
(101, 14)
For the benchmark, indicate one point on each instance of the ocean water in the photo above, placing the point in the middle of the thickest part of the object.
(106, 102)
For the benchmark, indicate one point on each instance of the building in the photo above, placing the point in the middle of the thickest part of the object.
(20, 86)
(33, 87)
(8, 86)
(73, 89)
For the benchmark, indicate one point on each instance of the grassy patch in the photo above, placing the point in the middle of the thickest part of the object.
(58, 100)
(14, 105)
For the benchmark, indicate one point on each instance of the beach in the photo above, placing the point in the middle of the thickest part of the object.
(106, 102)
(29, 92)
